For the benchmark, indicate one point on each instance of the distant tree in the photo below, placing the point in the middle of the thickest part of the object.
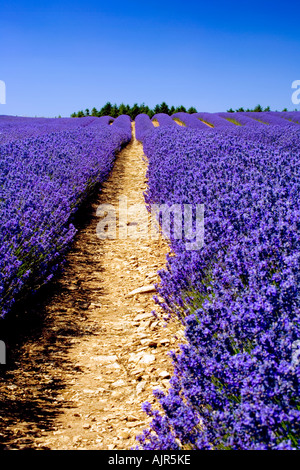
(157, 109)
(114, 111)
(122, 109)
(144, 109)
(230, 110)
(135, 110)
(284, 110)
(105, 110)
(258, 109)
(180, 109)
(240, 110)
(164, 108)
(267, 109)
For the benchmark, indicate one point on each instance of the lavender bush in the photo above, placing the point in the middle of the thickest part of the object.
(293, 116)
(123, 123)
(214, 120)
(143, 125)
(240, 119)
(268, 117)
(236, 380)
(13, 127)
(43, 180)
(163, 120)
(190, 120)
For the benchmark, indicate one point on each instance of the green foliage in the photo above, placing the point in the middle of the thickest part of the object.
(180, 109)
(257, 109)
(114, 110)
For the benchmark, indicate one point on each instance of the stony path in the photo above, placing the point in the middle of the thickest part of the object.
(80, 380)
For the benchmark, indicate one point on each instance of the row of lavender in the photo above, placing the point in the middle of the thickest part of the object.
(236, 380)
(207, 121)
(43, 180)
(14, 127)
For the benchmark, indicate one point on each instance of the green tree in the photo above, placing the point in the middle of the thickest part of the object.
(284, 110)
(267, 108)
(180, 109)
(105, 110)
(258, 109)
(135, 110)
(94, 112)
(230, 110)
(164, 108)
(114, 111)
(87, 112)
(144, 109)
(240, 110)
(192, 110)
(157, 109)
(122, 109)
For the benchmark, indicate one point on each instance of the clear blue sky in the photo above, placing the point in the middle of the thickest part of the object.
(62, 56)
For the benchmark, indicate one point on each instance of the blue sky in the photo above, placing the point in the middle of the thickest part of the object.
(62, 56)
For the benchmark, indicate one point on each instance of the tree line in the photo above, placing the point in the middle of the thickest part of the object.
(115, 110)
(257, 109)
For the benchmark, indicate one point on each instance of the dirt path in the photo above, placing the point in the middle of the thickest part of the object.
(97, 353)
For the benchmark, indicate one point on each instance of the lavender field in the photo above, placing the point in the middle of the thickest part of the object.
(48, 167)
(236, 380)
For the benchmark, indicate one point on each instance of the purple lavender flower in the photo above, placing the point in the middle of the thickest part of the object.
(164, 120)
(44, 178)
(240, 119)
(236, 380)
(143, 125)
(213, 120)
(269, 117)
(190, 120)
